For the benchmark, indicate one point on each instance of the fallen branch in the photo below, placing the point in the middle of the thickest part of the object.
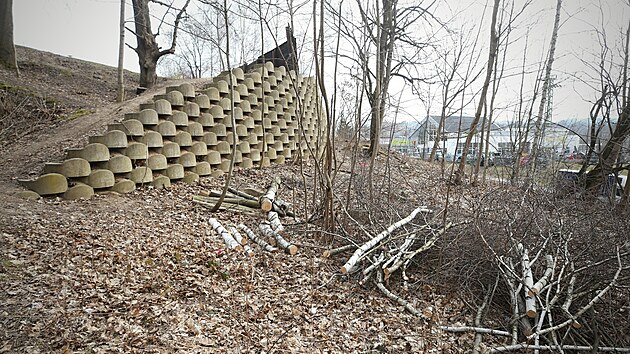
(334, 251)
(509, 348)
(227, 237)
(394, 297)
(463, 329)
(528, 281)
(282, 243)
(358, 254)
(275, 222)
(252, 236)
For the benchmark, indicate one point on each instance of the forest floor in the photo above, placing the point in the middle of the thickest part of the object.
(144, 272)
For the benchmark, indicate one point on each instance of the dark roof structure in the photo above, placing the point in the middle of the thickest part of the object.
(283, 55)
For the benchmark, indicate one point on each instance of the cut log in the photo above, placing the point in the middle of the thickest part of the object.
(334, 251)
(282, 243)
(227, 237)
(252, 236)
(242, 194)
(242, 241)
(266, 201)
(528, 282)
(359, 253)
(544, 279)
(275, 222)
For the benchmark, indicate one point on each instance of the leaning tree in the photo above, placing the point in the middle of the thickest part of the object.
(7, 48)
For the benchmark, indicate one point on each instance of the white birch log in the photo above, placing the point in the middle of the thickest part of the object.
(282, 243)
(557, 348)
(401, 251)
(334, 251)
(241, 240)
(358, 254)
(528, 282)
(275, 222)
(227, 237)
(266, 201)
(463, 329)
(259, 241)
(542, 282)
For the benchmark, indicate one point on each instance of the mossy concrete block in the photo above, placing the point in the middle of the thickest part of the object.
(192, 109)
(124, 186)
(75, 167)
(213, 158)
(246, 106)
(210, 138)
(163, 107)
(217, 173)
(284, 138)
(272, 154)
(226, 104)
(206, 120)
(203, 168)
(187, 89)
(161, 181)
(183, 139)
(194, 129)
(244, 147)
(213, 94)
(79, 191)
(217, 112)
(258, 130)
(141, 175)
(157, 162)
(254, 154)
(95, 152)
(54, 167)
(131, 127)
(101, 179)
(179, 118)
(119, 164)
(247, 163)
(199, 148)
(252, 138)
(136, 151)
(265, 162)
(287, 153)
(223, 147)
(190, 177)
(249, 83)
(170, 150)
(175, 98)
(219, 130)
(222, 86)
(249, 123)
(174, 171)
(113, 139)
(225, 165)
(280, 159)
(238, 157)
(167, 129)
(203, 102)
(241, 130)
(187, 159)
(148, 116)
(150, 105)
(242, 90)
(152, 139)
(269, 138)
(28, 195)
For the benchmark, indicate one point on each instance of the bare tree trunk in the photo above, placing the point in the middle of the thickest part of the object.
(7, 47)
(459, 174)
(147, 48)
(121, 54)
(539, 128)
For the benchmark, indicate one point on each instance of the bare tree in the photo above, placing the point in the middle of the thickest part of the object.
(148, 49)
(121, 54)
(459, 174)
(7, 47)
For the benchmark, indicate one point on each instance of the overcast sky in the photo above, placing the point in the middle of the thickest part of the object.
(88, 29)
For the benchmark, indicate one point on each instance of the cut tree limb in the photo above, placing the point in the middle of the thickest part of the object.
(227, 237)
(275, 222)
(544, 279)
(528, 282)
(282, 243)
(259, 241)
(266, 201)
(358, 254)
(463, 329)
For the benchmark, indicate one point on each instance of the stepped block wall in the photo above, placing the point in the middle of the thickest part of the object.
(183, 135)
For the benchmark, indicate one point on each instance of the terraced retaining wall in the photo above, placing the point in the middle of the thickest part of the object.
(183, 135)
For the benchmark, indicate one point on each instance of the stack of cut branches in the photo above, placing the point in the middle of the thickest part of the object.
(248, 201)
(388, 252)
